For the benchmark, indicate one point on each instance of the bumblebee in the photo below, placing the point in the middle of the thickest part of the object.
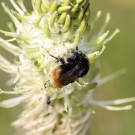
(75, 66)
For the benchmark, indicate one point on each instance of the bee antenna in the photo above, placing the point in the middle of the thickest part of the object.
(45, 49)
(77, 48)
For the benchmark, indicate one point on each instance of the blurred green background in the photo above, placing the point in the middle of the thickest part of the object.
(119, 54)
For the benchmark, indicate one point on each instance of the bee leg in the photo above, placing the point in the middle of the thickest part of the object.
(47, 83)
(48, 100)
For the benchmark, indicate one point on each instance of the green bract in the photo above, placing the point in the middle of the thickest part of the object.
(57, 26)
